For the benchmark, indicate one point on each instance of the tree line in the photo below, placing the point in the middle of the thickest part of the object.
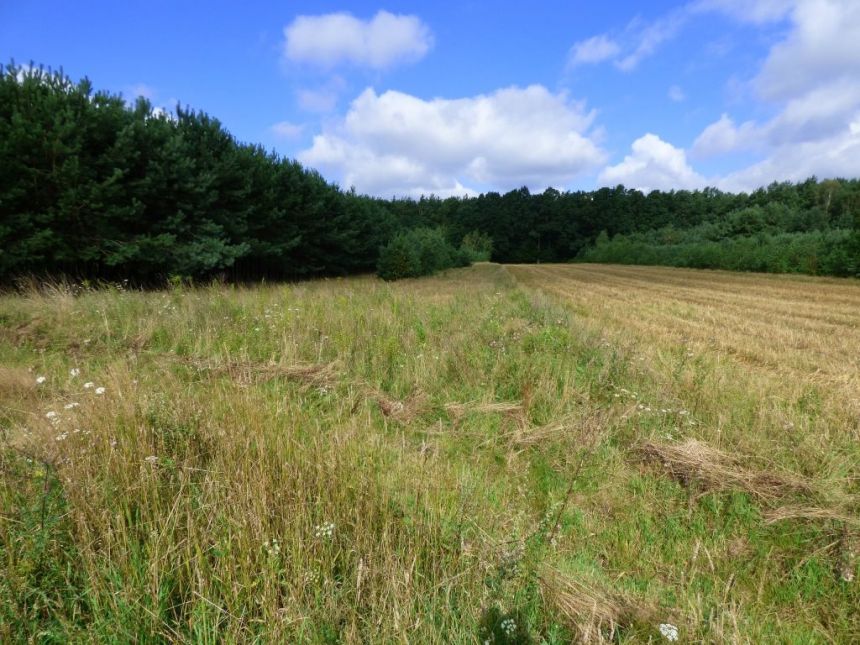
(93, 187)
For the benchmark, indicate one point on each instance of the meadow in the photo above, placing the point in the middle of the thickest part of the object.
(501, 454)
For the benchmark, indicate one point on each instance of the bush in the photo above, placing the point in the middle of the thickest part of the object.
(417, 252)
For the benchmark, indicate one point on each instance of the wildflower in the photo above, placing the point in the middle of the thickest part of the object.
(71, 406)
(88, 385)
(668, 631)
(509, 626)
(40, 380)
(50, 414)
(74, 372)
(324, 531)
(62, 437)
(273, 548)
(100, 390)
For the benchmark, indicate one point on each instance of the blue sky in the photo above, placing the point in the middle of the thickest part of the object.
(411, 98)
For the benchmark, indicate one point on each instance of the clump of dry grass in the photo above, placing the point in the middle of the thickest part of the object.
(513, 409)
(586, 426)
(16, 382)
(400, 410)
(591, 610)
(245, 373)
(812, 513)
(693, 462)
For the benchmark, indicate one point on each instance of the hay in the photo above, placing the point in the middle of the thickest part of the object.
(508, 408)
(696, 463)
(811, 513)
(403, 411)
(591, 610)
(249, 372)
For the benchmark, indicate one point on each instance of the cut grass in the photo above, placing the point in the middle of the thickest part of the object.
(353, 461)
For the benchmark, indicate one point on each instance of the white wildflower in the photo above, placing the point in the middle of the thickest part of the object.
(62, 437)
(324, 531)
(100, 390)
(88, 385)
(509, 626)
(50, 414)
(71, 406)
(74, 372)
(669, 631)
(273, 548)
(40, 380)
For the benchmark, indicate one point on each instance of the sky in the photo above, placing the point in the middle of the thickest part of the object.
(412, 98)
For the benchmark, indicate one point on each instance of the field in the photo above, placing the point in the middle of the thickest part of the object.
(504, 454)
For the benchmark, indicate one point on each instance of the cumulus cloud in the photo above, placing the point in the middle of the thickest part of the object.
(810, 79)
(593, 50)
(835, 156)
(395, 143)
(340, 38)
(724, 136)
(653, 164)
(823, 46)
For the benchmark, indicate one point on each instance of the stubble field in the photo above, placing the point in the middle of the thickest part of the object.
(505, 454)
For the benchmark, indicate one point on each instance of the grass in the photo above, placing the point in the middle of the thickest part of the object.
(522, 454)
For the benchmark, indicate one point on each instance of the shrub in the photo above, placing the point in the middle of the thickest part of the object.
(417, 252)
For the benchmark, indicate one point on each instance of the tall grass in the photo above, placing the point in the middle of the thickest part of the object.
(455, 459)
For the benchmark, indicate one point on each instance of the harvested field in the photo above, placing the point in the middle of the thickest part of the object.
(544, 454)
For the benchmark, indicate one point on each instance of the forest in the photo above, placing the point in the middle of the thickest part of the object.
(95, 188)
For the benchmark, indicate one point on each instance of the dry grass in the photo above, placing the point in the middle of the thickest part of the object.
(810, 513)
(301, 479)
(800, 330)
(693, 462)
(246, 372)
(594, 611)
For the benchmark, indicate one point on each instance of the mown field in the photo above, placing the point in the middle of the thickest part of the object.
(499, 454)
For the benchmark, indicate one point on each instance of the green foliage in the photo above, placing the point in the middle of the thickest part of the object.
(94, 188)
(420, 251)
(816, 252)
(477, 246)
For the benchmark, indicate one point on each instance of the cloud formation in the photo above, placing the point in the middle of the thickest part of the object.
(397, 144)
(333, 39)
(653, 164)
(810, 78)
(593, 50)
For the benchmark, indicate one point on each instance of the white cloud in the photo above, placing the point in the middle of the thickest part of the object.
(287, 130)
(593, 50)
(648, 38)
(823, 46)
(383, 41)
(810, 79)
(724, 136)
(676, 94)
(395, 143)
(653, 165)
(639, 40)
(836, 156)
